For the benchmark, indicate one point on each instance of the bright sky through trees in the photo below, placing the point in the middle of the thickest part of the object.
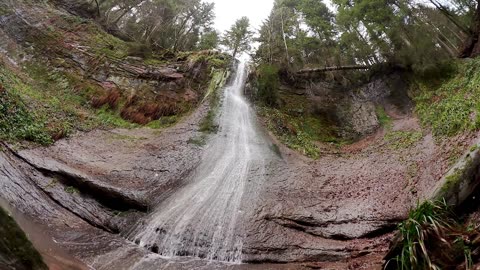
(228, 11)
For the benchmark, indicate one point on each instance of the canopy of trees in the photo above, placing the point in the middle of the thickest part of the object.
(177, 25)
(309, 33)
(413, 34)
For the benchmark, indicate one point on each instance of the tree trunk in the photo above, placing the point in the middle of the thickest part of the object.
(285, 39)
(471, 47)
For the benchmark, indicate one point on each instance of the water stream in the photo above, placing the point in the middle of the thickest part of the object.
(204, 219)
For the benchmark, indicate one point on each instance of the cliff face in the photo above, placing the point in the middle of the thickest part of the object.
(61, 72)
(77, 77)
(357, 109)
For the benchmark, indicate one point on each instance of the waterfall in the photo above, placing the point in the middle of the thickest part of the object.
(204, 218)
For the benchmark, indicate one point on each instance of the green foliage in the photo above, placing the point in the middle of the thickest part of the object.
(296, 127)
(292, 131)
(239, 37)
(209, 40)
(268, 84)
(16, 123)
(159, 24)
(415, 36)
(208, 124)
(109, 118)
(107, 45)
(432, 239)
(163, 122)
(454, 106)
(15, 248)
(403, 139)
(383, 118)
(414, 251)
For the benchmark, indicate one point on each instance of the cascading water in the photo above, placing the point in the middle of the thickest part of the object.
(204, 218)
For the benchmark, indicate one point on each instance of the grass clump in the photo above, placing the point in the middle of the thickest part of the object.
(454, 106)
(432, 239)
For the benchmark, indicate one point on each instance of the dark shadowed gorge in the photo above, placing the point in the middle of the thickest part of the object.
(339, 135)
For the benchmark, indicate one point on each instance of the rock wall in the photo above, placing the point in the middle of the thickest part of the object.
(105, 67)
(354, 109)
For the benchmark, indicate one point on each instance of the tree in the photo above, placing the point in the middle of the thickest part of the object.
(238, 38)
(209, 40)
(175, 25)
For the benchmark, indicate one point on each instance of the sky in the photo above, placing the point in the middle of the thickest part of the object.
(228, 11)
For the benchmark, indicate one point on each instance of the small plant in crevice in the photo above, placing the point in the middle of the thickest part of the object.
(71, 190)
(432, 239)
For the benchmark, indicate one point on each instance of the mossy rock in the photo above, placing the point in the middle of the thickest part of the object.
(16, 251)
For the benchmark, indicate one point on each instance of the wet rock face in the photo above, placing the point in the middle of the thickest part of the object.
(354, 109)
(16, 251)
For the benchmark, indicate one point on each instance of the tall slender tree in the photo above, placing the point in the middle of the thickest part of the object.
(238, 37)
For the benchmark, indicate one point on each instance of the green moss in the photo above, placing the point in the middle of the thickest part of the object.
(296, 127)
(268, 82)
(451, 182)
(154, 62)
(474, 148)
(17, 123)
(214, 60)
(454, 106)
(15, 249)
(111, 118)
(164, 122)
(402, 139)
(208, 124)
(72, 190)
(383, 118)
(107, 45)
(292, 131)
